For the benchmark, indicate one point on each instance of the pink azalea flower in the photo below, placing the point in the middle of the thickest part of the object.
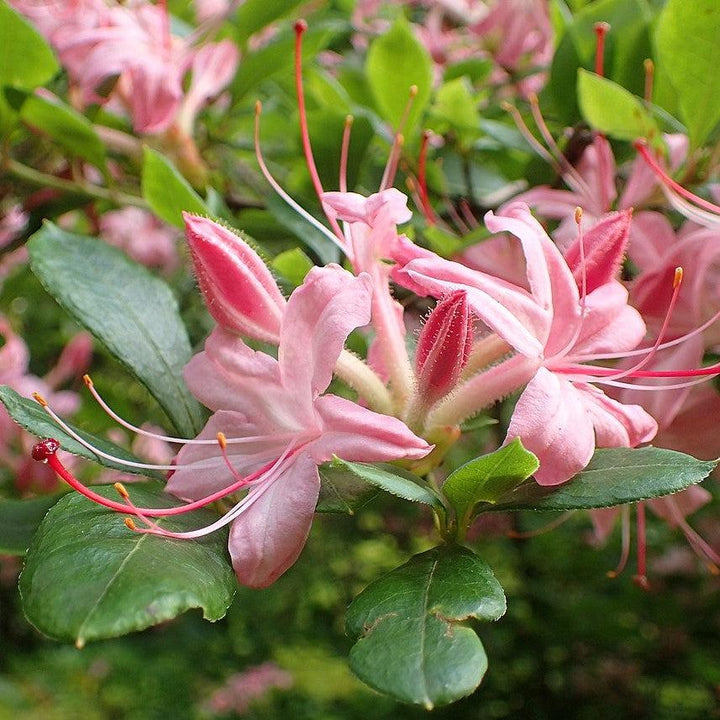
(554, 326)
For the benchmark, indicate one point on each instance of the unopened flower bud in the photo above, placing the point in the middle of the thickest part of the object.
(443, 347)
(239, 290)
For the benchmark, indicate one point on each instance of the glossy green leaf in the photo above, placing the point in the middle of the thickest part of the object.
(64, 125)
(391, 479)
(167, 192)
(614, 476)
(29, 415)
(410, 643)
(456, 105)
(342, 491)
(626, 46)
(293, 265)
(132, 312)
(487, 478)
(26, 60)
(396, 61)
(20, 519)
(613, 110)
(689, 54)
(88, 577)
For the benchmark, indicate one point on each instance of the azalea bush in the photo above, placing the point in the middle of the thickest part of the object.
(447, 271)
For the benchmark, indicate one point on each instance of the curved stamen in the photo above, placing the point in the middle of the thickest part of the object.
(392, 162)
(697, 542)
(336, 237)
(625, 551)
(677, 282)
(640, 386)
(42, 453)
(344, 150)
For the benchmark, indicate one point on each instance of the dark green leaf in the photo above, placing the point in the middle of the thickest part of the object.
(26, 60)
(410, 644)
(19, 519)
(614, 476)
(342, 491)
(167, 192)
(396, 61)
(689, 54)
(613, 110)
(65, 125)
(487, 478)
(127, 308)
(389, 478)
(88, 577)
(28, 414)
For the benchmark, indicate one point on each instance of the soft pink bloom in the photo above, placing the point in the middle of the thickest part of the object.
(289, 427)
(11, 224)
(559, 416)
(142, 236)
(239, 290)
(241, 690)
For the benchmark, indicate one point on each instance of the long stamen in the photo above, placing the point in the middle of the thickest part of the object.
(46, 451)
(698, 543)
(571, 176)
(642, 147)
(336, 237)
(649, 66)
(267, 481)
(391, 166)
(156, 436)
(677, 282)
(642, 351)
(557, 522)
(467, 212)
(344, 150)
(650, 388)
(625, 551)
(534, 143)
(641, 578)
(428, 211)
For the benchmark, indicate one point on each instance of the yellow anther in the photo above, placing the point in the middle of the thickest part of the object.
(222, 440)
(130, 524)
(121, 491)
(40, 399)
(678, 277)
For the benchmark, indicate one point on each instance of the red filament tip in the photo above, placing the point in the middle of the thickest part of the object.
(45, 449)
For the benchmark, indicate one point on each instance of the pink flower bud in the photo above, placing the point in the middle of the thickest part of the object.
(443, 347)
(239, 290)
(73, 361)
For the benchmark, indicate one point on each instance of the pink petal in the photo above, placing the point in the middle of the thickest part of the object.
(357, 434)
(320, 315)
(353, 207)
(552, 422)
(269, 536)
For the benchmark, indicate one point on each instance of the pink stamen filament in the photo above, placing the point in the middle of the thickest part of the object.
(391, 166)
(344, 150)
(625, 551)
(677, 283)
(428, 211)
(57, 466)
(156, 436)
(699, 545)
(641, 578)
(642, 148)
(571, 176)
(468, 214)
(300, 28)
(336, 237)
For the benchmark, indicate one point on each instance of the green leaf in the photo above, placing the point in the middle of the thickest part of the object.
(63, 124)
(396, 61)
(689, 55)
(19, 519)
(456, 105)
(29, 415)
(342, 491)
(410, 643)
(254, 15)
(132, 312)
(389, 478)
(88, 577)
(487, 478)
(26, 60)
(293, 265)
(167, 192)
(612, 109)
(614, 476)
